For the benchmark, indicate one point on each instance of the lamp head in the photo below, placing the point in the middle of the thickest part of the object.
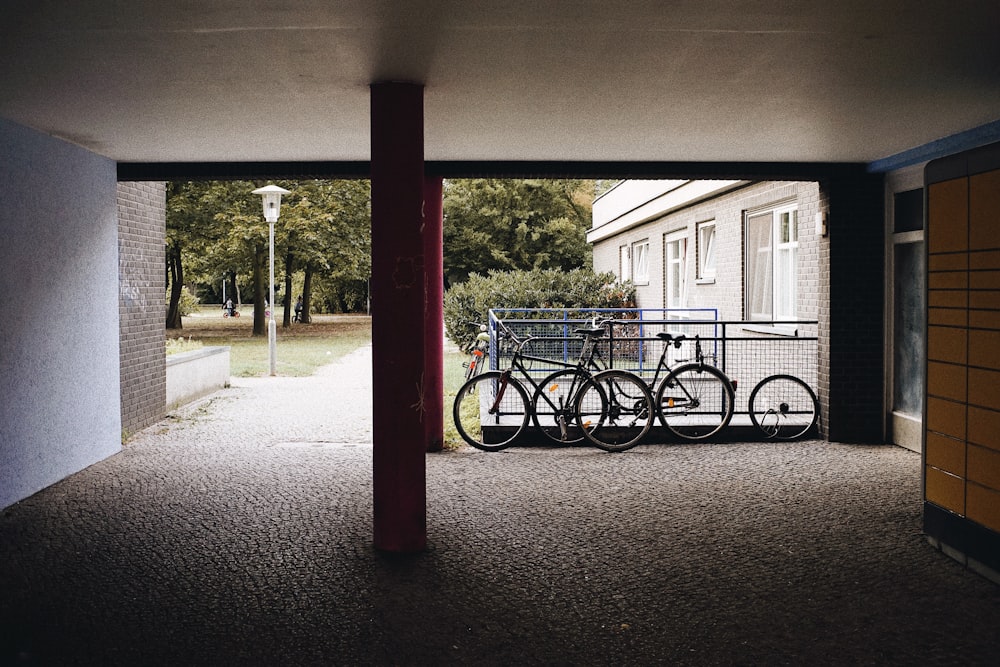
(271, 195)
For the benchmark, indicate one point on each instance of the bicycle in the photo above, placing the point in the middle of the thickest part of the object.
(622, 405)
(477, 355)
(694, 401)
(493, 408)
(783, 407)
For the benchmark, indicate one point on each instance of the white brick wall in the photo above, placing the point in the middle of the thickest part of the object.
(726, 293)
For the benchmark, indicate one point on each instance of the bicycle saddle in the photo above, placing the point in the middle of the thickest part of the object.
(674, 337)
(592, 331)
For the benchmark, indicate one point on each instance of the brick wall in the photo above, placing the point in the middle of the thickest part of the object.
(726, 292)
(851, 320)
(747, 362)
(141, 303)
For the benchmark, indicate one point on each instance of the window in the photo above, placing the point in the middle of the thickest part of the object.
(770, 284)
(640, 263)
(706, 250)
(624, 263)
(674, 269)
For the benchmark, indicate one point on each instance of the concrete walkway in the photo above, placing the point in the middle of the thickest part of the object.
(238, 532)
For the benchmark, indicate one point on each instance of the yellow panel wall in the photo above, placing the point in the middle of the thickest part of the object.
(962, 453)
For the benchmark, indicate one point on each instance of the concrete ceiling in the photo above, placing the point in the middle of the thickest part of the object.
(690, 80)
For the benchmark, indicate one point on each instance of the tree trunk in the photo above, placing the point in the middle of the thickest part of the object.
(306, 295)
(287, 319)
(176, 274)
(259, 292)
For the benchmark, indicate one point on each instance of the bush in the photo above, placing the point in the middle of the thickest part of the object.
(339, 295)
(472, 300)
(188, 303)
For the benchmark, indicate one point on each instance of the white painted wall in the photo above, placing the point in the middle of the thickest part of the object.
(59, 364)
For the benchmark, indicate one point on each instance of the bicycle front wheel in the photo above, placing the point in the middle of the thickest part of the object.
(783, 407)
(490, 411)
(553, 406)
(695, 401)
(614, 410)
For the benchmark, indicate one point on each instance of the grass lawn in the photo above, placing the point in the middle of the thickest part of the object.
(454, 376)
(302, 348)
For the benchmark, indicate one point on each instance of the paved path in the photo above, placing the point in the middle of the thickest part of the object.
(238, 531)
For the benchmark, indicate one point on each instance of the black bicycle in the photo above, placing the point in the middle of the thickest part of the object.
(493, 408)
(614, 410)
(694, 401)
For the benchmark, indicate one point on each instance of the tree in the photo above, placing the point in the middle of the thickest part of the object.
(503, 224)
(191, 227)
(216, 230)
(327, 234)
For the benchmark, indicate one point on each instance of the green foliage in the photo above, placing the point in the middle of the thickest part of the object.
(506, 224)
(324, 230)
(539, 288)
(340, 295)
(327, 227)
(603, 185)
(188, 301)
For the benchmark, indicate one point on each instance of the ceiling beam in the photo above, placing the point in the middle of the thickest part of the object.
(750, 171)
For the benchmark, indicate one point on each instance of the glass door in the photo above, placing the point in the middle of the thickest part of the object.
(908, 324)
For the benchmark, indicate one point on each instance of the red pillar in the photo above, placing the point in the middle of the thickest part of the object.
(434, 315)
(398, 330)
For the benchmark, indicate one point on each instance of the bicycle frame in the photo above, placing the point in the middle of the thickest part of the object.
(588, 361)
(688, 401)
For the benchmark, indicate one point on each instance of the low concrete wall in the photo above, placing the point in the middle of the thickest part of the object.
(191, 375)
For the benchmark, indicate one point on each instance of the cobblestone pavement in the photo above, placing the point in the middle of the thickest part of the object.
(238, 531)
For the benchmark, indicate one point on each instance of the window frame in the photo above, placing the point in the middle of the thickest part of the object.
(640, 262)
(705, 274)
(624, 263)
(782, 254)
(680, 239)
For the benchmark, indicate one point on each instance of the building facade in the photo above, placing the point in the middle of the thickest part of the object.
(747, 250)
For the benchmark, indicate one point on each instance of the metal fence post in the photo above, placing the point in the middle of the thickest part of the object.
(725, 338)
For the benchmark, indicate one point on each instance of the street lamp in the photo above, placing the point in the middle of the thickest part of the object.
(271, 195)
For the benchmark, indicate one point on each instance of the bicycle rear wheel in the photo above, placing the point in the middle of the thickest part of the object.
(783, 407)
(474, 366)
(553, 406)
(622, 407)
(695, 401)
(490, 411)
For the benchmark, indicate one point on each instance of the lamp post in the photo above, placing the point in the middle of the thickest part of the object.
(271, 195)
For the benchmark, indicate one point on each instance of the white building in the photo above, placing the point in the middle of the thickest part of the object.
(750, 250)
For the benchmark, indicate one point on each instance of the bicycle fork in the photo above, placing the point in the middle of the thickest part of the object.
(501, 390)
